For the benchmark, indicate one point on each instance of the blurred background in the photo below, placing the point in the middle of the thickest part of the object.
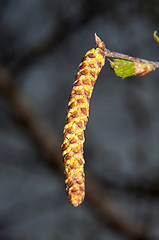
(41, 46)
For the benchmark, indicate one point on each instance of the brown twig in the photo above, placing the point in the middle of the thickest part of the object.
(117, 55)
(64, 29)
(39, 129)
(49, 143)
(107, 207)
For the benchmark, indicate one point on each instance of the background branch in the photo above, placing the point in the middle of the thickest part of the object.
(49, 143)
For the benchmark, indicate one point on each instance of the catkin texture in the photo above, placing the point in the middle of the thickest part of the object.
(76, 121)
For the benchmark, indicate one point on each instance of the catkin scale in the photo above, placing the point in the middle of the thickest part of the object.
(76, 121)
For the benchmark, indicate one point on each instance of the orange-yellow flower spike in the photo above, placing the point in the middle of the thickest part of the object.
(76, 121)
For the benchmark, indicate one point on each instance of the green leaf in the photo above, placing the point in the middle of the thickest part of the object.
(122, 68)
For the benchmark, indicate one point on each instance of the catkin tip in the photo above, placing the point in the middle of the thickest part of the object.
(76, 199)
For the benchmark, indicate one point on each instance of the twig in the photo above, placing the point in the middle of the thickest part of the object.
(105, 205)
(49, 143)
(117, 55)
(64, 29)
(39, 129)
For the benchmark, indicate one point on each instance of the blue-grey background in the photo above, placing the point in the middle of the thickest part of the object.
(42, 44)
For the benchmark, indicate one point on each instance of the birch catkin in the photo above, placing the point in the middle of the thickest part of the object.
(76, 121)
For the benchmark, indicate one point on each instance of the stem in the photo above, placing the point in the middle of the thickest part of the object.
(112, 54)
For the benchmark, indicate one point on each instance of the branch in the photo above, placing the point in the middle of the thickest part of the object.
(107, 207)
(49, 143)
(65, 28)
(148, 189)
(125, 65)
(43, 134)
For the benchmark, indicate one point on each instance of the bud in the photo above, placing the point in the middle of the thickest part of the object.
(143, 68)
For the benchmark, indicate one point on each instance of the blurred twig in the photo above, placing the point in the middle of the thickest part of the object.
(64, 28)
(148, 189)
(38, 127)
(49, 143)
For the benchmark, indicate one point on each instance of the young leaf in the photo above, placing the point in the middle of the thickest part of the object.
(125, 68)
(122, 68)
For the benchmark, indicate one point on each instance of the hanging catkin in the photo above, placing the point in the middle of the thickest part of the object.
(76, 121)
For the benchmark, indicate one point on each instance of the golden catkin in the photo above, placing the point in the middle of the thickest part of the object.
(76, 121)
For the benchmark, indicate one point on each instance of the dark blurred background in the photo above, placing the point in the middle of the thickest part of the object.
(41, 46)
